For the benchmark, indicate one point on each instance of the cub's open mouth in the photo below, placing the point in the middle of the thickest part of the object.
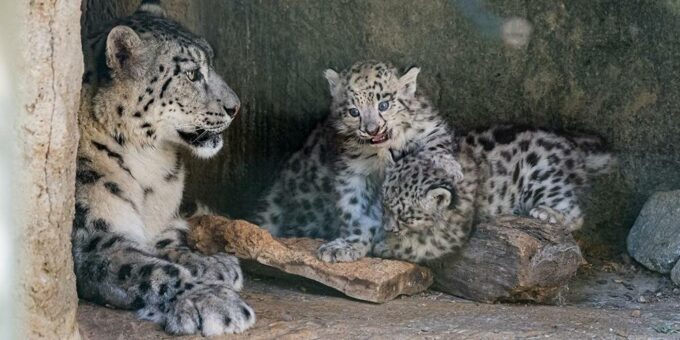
(200, 137)
(380, 138)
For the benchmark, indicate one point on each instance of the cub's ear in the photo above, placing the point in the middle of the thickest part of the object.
(333, 80)
(438, 198)
(448, 165)
(407, 82)
(125, 53)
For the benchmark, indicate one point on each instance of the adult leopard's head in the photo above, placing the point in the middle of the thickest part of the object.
(160, 80)
(369, 102)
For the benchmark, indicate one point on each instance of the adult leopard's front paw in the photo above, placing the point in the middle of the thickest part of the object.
(212, 309)
(341, 250)
(219, 267)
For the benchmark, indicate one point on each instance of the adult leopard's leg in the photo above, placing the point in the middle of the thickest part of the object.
(172, 245)
(112, 269)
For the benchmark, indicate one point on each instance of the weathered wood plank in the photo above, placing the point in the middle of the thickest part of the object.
(511, 259)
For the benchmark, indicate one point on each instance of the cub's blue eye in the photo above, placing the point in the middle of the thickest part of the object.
(384, 105)
(354, 112)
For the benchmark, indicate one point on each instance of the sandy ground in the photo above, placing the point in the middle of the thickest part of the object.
(610, 302)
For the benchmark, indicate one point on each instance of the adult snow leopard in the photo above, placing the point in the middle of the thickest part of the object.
(149, 91)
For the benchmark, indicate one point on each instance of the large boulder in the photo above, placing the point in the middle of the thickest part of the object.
(675, 274)
(654, 240)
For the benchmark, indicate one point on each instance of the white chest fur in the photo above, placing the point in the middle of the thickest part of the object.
(160, 174)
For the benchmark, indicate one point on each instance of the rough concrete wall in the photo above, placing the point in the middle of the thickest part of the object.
(49, 73)
(100, 13)
(606, 66)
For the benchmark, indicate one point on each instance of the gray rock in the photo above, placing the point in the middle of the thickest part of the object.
(654, 240)
(675, 274)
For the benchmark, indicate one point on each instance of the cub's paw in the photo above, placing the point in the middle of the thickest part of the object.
(384, 249)
(380, 250)
(341, 250)
(212, 309)
(218, 267)
(547, 214)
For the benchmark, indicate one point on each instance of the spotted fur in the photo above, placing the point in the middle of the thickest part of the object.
(331, 187)
(507, 170)
(427, 213)
(151, 90)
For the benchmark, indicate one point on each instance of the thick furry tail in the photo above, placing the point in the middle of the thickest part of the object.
(597, 158)
(600, 163)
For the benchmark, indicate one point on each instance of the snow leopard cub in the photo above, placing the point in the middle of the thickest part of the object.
(507, 170)
(330, 188)
(427, 212)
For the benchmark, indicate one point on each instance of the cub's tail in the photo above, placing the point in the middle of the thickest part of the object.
(597, 158)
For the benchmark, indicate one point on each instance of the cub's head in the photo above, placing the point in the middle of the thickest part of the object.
(369, 102)
(160, 79)
(418, 194)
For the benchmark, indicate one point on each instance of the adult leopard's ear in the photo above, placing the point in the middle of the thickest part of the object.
(407, 82)
(125, 53)
(152, 7)
(438, 198)
(333, 80)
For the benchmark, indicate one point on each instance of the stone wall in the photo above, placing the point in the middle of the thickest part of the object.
(50, 66)
(604, 66)
(7, 154)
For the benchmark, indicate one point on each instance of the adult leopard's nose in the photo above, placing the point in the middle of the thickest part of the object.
(229, 101)
(231, 111)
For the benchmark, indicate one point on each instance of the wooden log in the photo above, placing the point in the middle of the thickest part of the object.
(512, 259)
(369, 279)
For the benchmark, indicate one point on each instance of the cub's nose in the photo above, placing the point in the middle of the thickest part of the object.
(231, 111)
(373, 131)
(390, 223)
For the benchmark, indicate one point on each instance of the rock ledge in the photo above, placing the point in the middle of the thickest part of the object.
(369, 279)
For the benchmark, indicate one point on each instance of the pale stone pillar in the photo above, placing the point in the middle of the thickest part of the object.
(49, 77)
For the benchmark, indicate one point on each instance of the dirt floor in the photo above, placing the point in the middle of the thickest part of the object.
(611, 301)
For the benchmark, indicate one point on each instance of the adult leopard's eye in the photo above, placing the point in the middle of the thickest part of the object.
(194, 75)
(383, 106)
(354, 112)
